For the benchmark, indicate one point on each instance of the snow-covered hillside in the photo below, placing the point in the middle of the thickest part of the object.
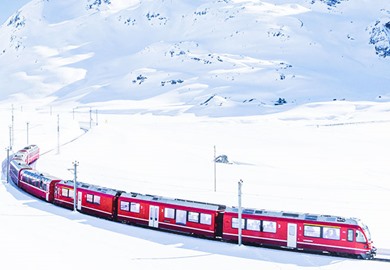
(207, 57)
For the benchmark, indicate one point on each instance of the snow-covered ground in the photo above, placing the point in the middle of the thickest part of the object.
(327, 158)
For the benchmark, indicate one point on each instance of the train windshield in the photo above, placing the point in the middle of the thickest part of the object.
(367, 232)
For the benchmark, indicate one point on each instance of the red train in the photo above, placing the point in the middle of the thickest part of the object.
(295, 231)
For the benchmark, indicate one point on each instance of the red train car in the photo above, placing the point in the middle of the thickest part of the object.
(91, 199)
(21, 156)
(39, 184)
(16, 167)
(322, 233)
(177, 215)
(31, 153)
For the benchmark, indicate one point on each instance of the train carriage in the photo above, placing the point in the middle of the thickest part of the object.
(29, 154)
(39, 184)
(177, 215)
(91, 199)
(32, 153)
(16, 167)
(321, 233)
(21, 156)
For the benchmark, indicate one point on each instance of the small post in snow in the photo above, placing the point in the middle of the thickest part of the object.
(239, 213)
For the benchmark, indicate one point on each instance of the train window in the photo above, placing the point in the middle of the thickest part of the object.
(65, 192)
(360, 237)
(331, 233)
(312, 231)
(169, 213)
(96, 199)
(124, 206)
(181, 217)
(93, 199)
(253, 225)
(71, 193)
(235, 223)
(269, 226)
(205, 219)
(135, 207)
(90, 198)
(193, 217)
(350, 235)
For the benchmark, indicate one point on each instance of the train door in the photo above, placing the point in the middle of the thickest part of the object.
(153, 216)
(79, 199)
(291, 235)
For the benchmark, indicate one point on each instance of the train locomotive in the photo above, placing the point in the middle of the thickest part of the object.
(295, 231)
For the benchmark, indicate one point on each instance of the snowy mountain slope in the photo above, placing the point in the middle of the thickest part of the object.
(207, 57)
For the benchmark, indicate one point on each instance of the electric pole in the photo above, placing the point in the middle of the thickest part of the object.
(10, 137)
(12, 125)
(58, 133)
(239, 213)
(215, 169)
(7, 164)
(90, 118)
(27, 132)
(75, 164)
(96, 117)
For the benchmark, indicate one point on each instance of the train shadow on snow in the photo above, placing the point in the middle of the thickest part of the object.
(207, 246)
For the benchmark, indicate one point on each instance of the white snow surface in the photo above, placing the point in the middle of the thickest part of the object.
(323, 158)
(158, 84)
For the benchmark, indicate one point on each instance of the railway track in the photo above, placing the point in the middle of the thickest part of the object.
(383, 255)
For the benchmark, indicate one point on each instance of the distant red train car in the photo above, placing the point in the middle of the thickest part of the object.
(183, 216)
(15, 169)
(31, 153)
(310, 232)
(39, 184)
(21, 156)
(91, 199)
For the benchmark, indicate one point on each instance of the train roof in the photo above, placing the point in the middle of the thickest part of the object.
(95, 188)
(19, 163)
(31, 146)
(41, 175)
(301, 216)
(173, 201)
(19, 154)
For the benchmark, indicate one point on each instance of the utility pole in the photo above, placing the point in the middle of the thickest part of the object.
(215, 169)
(90, 118)
(7, 164)
(239, 213)
(12, 125)
(75, 164)
(10, 137)
(96, 117)
(58, 133)
(27, 131)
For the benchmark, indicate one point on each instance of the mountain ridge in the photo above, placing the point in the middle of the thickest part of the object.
(206, 56)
